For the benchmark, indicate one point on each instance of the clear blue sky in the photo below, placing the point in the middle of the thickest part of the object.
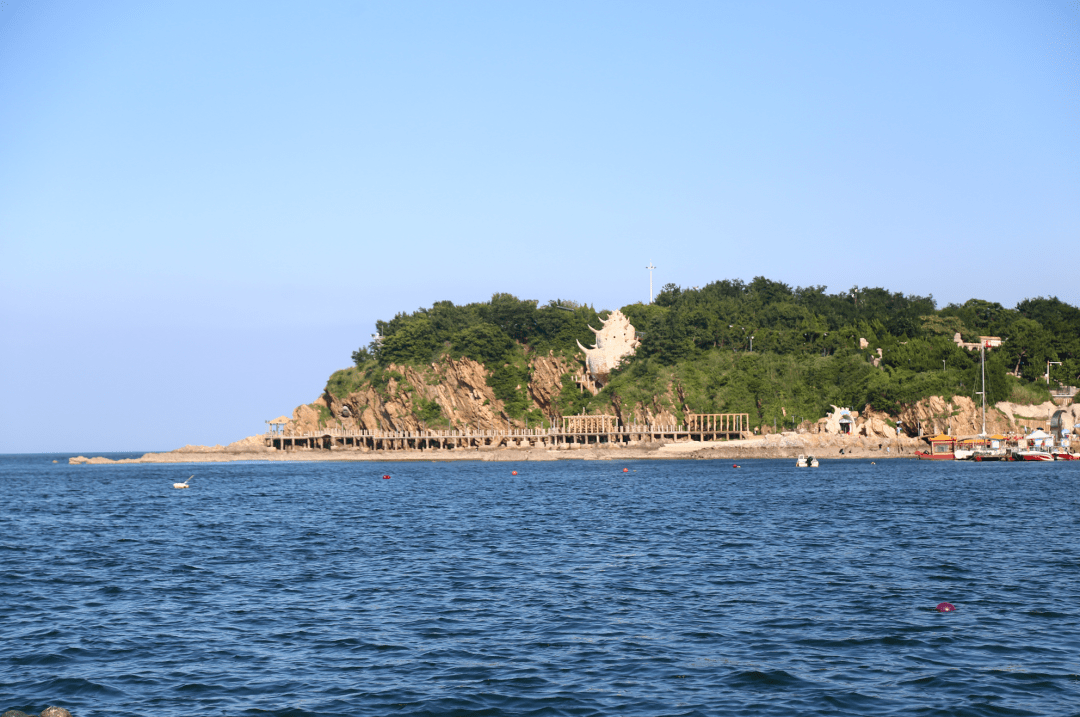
(204, 207)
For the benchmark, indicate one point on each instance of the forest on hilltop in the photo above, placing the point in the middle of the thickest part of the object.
(696, 349)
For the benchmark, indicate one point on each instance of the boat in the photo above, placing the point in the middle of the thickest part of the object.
(1032, 454)
(941, 449)
(1040, 445)
(996, 451)
(806, 462)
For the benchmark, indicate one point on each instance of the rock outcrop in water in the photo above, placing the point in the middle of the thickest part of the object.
(47, 712)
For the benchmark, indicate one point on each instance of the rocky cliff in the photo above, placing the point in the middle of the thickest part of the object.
(961, 416)
(450, 393)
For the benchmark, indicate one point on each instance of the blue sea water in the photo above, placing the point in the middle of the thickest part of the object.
(572, 588)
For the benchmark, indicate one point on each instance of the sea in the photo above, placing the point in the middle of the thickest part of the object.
(601, 587)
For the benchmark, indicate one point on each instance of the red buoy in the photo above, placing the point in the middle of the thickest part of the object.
(386, 477)
(625, 470)
(734, 465)
(945, 607)
(513, 473)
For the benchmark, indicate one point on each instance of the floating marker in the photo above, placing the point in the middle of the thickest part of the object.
(625, 470)
(513, 473)
(945, 607)
(386, 477)
(734, 465)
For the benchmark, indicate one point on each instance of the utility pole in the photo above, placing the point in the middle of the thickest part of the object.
(650, 267)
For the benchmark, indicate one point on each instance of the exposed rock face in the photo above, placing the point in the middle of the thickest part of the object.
(961, 416)
(545, 382)
(1040, 414)
(641, 413)
(875, 424)
(458, 386)
(958, 416)
(614, 342)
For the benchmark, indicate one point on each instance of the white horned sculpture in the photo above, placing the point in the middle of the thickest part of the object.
(614, 342)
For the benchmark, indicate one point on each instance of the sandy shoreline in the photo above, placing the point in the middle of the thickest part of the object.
(787, 445)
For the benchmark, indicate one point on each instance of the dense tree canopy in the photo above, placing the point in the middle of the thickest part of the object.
(806, 344)
(488, 332)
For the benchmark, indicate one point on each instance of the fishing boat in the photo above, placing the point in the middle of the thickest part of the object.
(806, 462)
(942, 448)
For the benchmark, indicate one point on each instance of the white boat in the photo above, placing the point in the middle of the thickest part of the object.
(991, 454)
(806, 462)
(1039, 447)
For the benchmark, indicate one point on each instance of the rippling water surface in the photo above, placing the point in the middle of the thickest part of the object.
(573, 588)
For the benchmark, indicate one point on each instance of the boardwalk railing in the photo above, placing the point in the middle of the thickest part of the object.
(447, 439)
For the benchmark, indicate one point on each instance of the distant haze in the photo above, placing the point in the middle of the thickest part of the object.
(204, 207)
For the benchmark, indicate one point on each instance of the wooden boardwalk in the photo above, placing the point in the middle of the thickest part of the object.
(604, 433)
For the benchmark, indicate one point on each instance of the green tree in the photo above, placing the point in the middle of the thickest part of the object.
(1028, 348)
(485, 343)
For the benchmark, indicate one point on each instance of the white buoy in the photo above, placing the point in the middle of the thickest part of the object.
(182, 485)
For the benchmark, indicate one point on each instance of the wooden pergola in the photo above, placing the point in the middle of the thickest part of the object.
(589, 424)
(717, 422)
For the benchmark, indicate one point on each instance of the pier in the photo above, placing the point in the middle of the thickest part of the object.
(575, 432)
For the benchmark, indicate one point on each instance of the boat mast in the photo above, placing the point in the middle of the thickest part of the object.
(982, 352)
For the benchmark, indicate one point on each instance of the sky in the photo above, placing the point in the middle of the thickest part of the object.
(205, 206)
